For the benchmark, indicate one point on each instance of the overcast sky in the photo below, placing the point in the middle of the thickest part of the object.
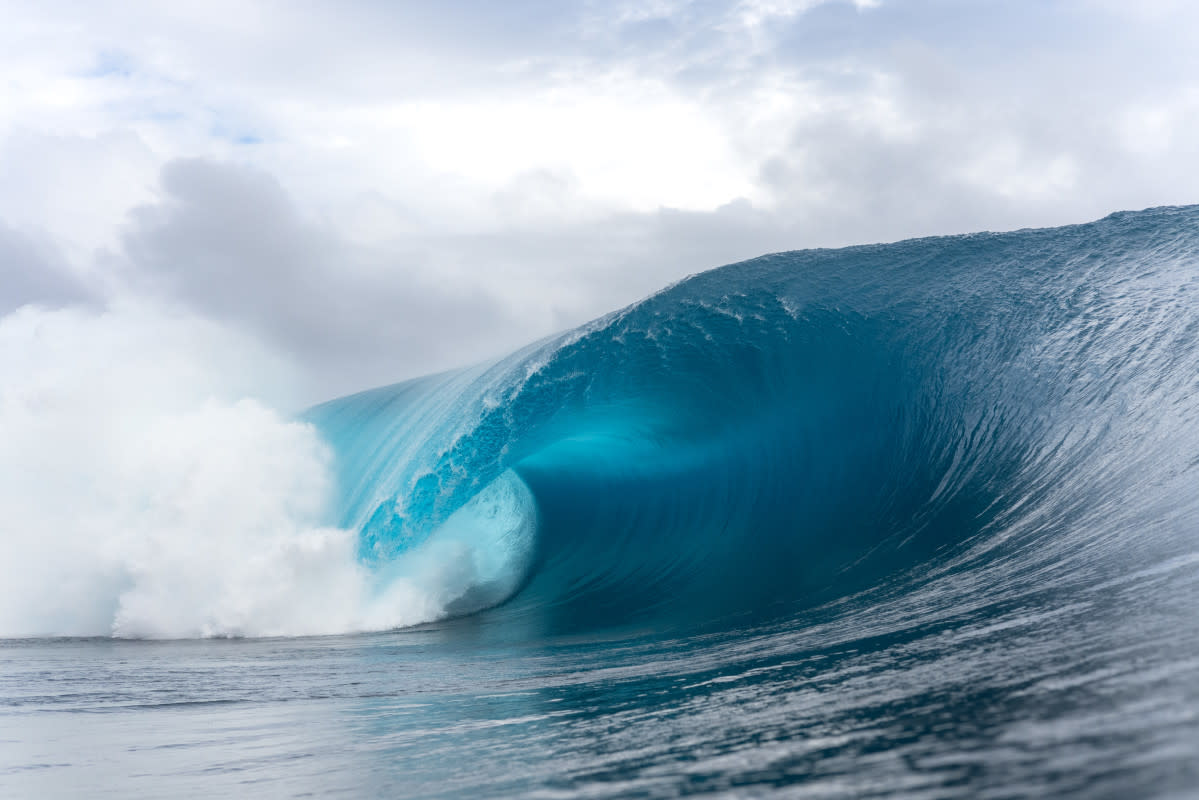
(374, 190)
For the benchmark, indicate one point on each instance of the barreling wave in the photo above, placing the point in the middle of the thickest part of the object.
(804, 426)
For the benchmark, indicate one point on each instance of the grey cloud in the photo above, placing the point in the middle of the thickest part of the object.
(226, 242)
(32, 272)
(932, 116)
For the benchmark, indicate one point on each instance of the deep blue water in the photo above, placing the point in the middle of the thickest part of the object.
(915, 520)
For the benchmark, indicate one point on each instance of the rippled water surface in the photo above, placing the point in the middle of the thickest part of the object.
(1102, 700)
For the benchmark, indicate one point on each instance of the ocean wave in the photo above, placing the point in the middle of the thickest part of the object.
(805, 426)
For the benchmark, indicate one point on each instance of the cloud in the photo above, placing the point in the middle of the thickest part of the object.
(227, 242)
(71, 188)
(33, 272)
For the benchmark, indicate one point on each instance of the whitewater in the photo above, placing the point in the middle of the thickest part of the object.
(915, 519)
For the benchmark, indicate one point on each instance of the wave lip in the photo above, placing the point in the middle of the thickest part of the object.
(479, 556)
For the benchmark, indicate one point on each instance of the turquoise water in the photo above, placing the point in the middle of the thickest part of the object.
(914, 520)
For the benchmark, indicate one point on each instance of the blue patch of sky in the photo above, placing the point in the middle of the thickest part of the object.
(111, 64)
(236, 134)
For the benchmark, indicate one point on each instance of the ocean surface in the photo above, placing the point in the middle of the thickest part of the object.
(907, 520)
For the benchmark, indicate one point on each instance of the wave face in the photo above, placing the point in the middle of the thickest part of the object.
(987, 412)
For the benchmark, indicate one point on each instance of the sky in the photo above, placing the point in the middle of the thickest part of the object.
(347, 194)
